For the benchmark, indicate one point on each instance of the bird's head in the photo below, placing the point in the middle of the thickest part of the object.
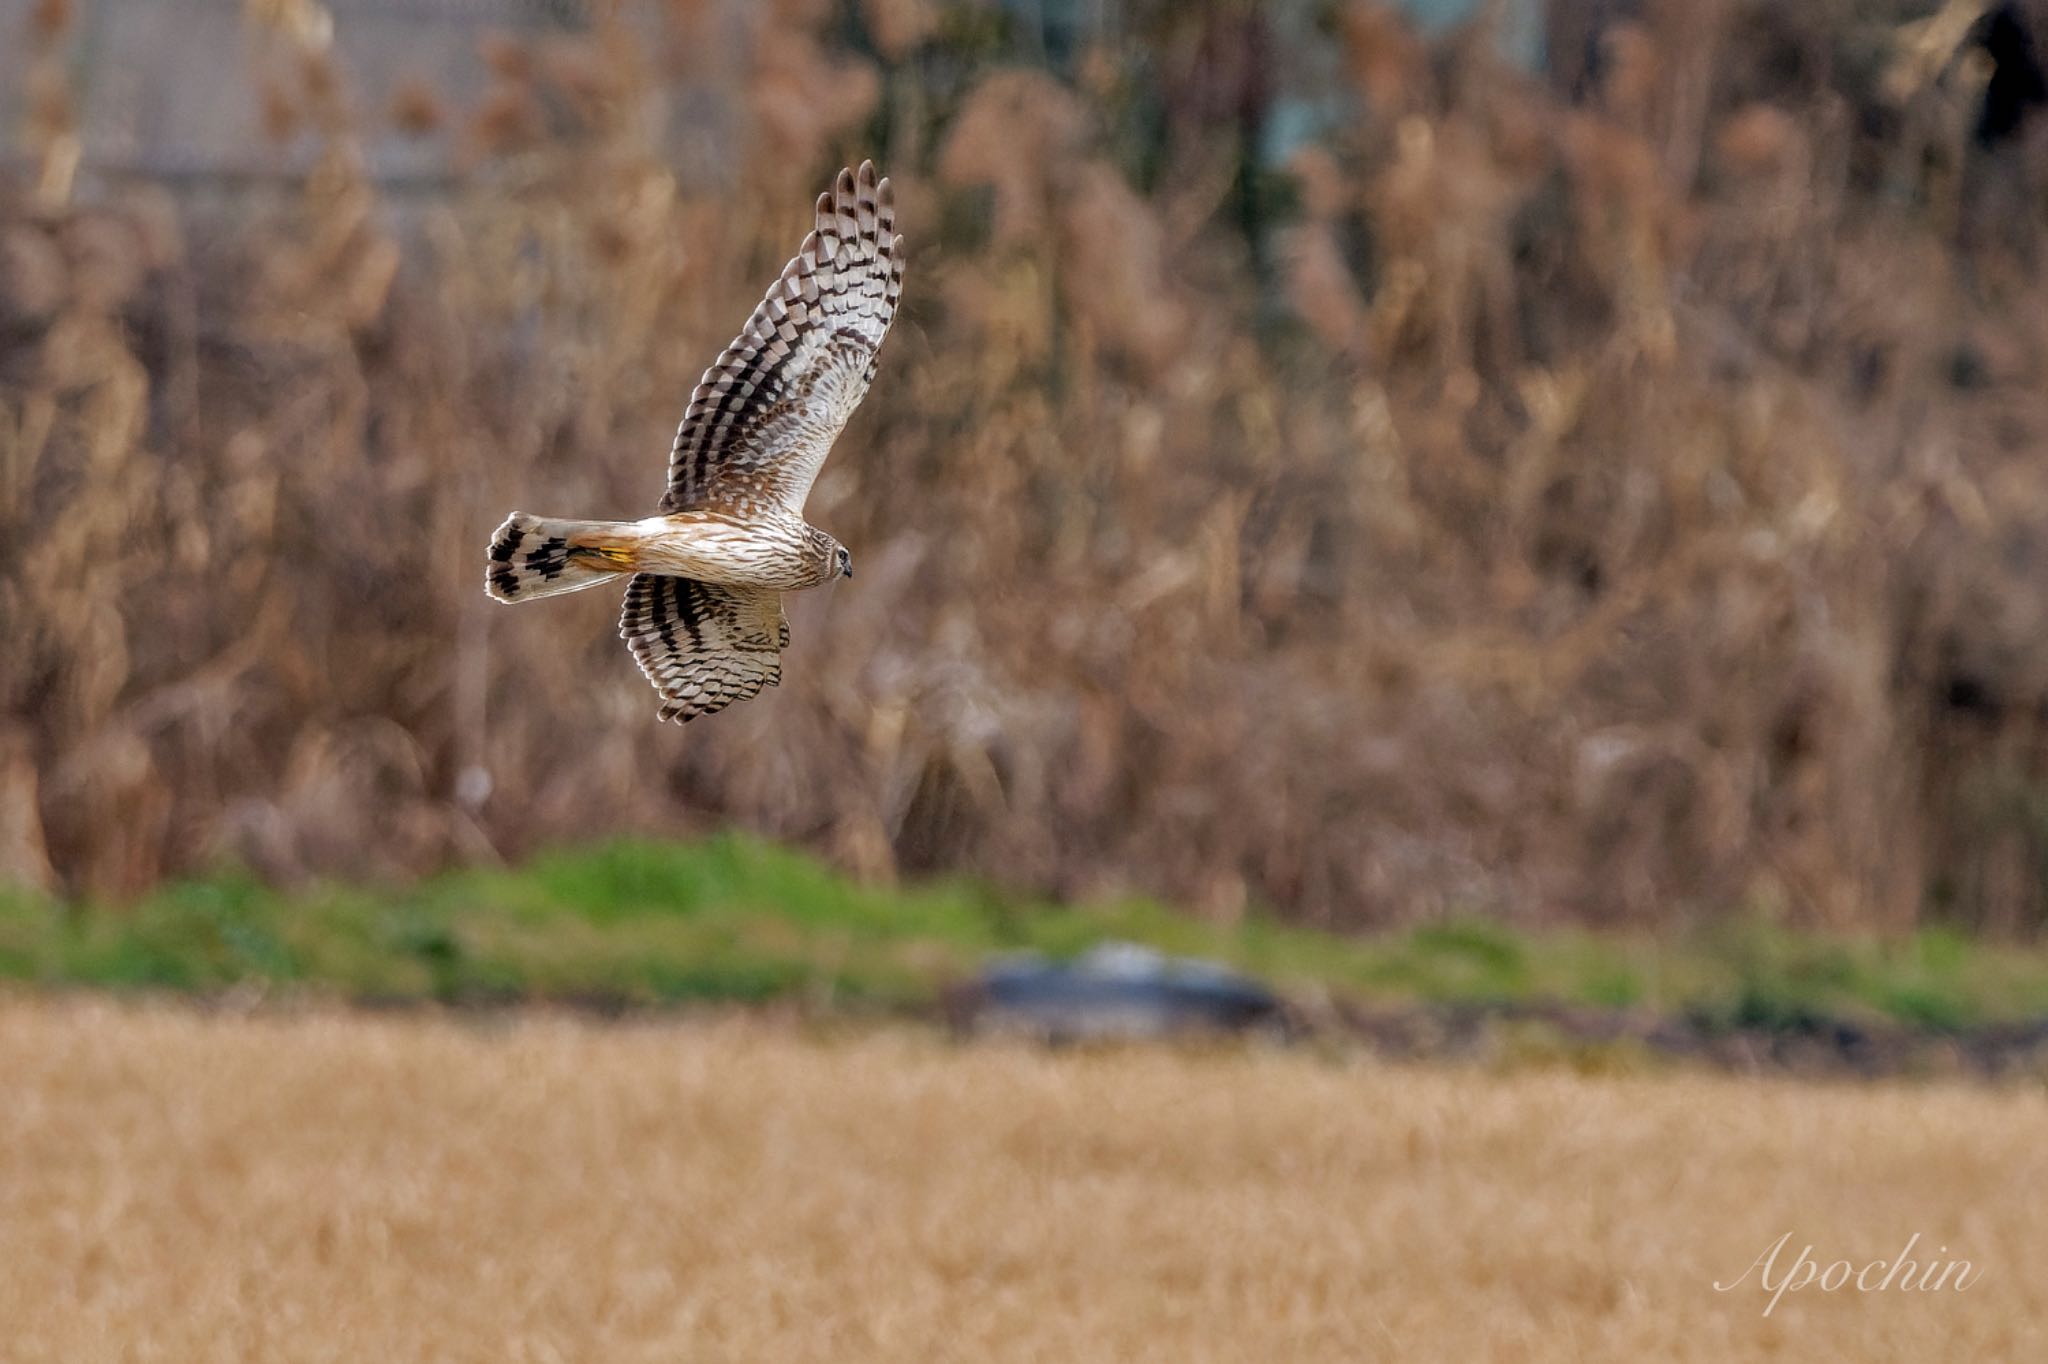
(829, 557)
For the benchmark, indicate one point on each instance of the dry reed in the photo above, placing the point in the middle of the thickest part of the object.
(1634, 514)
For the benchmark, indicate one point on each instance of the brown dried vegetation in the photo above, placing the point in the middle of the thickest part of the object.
(1631, 508)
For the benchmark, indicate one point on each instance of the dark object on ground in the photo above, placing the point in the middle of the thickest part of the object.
(1122, 992)
(1805, 1045)
(1116, 991)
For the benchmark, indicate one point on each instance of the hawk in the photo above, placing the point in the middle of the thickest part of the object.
(703, 613)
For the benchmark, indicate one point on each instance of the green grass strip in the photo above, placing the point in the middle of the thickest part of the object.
(736, 920)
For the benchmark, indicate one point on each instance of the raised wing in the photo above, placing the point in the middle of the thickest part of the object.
(767, 411)
(703, 646)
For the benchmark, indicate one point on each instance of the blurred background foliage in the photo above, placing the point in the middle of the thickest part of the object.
(1571, 462)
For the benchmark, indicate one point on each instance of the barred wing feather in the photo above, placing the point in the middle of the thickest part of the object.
(767, 411)
(702, 645)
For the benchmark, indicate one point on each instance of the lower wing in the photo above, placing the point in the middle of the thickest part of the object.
(702, 645)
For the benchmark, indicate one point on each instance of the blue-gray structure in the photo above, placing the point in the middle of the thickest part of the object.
(1119, 991)
(162, 90)
(162, 86)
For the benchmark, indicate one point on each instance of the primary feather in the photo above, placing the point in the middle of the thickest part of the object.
(767, 411)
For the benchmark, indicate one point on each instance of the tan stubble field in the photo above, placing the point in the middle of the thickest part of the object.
(181, 1186)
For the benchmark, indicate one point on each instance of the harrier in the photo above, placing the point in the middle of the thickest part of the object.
(703, 613)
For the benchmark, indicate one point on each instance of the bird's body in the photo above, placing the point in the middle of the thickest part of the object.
(772, 550)
(703, 610)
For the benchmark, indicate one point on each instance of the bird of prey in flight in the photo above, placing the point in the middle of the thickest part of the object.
(705, 575)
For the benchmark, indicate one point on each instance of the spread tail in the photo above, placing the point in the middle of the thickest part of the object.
(542, 556)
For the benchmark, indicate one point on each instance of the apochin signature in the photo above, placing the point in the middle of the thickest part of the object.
(1901, 1274)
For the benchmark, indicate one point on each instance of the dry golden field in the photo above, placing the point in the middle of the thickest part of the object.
(324, 1186)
